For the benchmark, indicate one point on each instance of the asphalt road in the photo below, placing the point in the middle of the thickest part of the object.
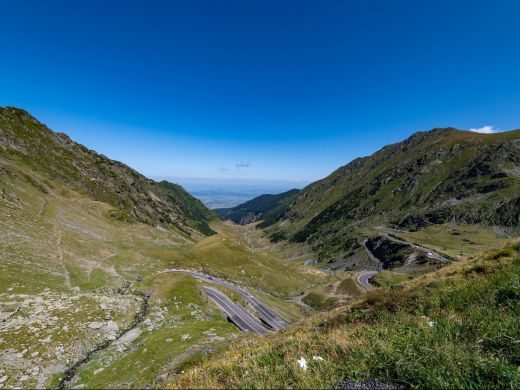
(242, 319)
(363, 279)
(264, 312)
(273, 319)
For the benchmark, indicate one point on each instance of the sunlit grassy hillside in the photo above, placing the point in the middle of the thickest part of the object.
(68, 266)
(458, 327)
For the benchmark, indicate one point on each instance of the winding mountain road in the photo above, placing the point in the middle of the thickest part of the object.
(387, 233)
(264, 312)
(363, 279)
(242, 319)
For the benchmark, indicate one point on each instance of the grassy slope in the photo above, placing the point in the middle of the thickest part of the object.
(457, 241)
(388, 278)
(56, 157)
(62, 254)
(458, 327)
(229, 257)
(341, 287)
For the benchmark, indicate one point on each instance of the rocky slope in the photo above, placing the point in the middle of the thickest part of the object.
(24, 140)
(264, 207)
(439, 176)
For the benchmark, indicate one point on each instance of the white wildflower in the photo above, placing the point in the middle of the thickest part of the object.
(428, 321)
(318, 358)
(303, 363)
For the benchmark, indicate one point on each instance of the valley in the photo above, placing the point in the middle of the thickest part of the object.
(83, 285)
(112, 280)
(260, 195)
(74, 276)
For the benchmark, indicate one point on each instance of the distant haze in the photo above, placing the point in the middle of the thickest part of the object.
(219, 193)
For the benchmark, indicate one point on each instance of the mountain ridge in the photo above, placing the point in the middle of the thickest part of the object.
(265, 207)
(25, 140)
(442, 175)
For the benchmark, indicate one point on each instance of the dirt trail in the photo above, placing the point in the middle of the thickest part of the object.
(42, 208)
(59, 250)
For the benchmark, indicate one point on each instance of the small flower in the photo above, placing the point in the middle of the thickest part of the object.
(303, 363)
(428, 321)
(318, 358)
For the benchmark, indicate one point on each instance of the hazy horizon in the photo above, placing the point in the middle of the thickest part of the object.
(230, 192)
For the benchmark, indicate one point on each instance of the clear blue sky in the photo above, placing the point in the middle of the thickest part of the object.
(293, 89)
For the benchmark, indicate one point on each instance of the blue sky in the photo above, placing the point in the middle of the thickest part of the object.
(293, 90)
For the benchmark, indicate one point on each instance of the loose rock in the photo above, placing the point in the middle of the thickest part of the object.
(95, 325)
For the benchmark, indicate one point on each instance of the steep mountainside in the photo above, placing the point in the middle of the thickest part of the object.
(267, 207)
(438, 176)
(81, 275)
(24, 140)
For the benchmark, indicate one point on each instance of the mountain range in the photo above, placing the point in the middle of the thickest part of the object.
(444, 175)
(106, 276)
(268, 208)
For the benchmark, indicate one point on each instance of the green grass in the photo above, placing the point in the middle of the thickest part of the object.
(389, 278)
(457, 241)
(286, 308)
(458, 327)
(60, 244)
(320, 301)
(228, 257)
(339, 288)
(349, 286)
